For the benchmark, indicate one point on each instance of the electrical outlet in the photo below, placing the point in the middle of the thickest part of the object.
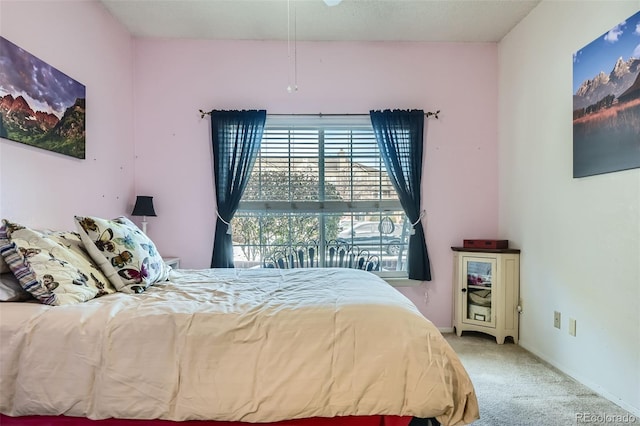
(572, 326)
(556, 319)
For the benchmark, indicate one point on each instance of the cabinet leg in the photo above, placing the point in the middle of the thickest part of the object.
(458, 331)
(500, 339)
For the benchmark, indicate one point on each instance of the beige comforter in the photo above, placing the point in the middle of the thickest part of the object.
(247, 345)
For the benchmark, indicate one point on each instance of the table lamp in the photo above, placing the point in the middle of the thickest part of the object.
(144, 208)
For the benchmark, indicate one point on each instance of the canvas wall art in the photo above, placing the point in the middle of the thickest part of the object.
(606, 102)
(39, 105)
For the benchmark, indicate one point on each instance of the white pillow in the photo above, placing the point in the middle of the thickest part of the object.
(11, 290)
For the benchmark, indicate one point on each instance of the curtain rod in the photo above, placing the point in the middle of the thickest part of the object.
(426, 114)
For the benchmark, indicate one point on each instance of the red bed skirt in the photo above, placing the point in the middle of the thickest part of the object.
(314, 421)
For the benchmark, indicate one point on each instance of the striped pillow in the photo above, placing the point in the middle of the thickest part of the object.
(51, 271)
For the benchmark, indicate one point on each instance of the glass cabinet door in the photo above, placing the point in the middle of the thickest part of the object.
(479, 277)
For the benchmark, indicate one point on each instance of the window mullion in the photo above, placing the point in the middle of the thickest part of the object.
(321, 197)
(291, 134)
(351, 187)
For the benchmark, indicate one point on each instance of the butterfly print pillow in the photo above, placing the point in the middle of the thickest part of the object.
(125, 254)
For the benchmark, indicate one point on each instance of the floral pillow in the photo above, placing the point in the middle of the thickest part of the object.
(52, 272)
(124, 253)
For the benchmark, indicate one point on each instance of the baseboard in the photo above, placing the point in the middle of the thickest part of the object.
(445, 329)
(594, 387)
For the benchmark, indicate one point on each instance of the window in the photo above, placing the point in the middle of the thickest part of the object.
(320, 179)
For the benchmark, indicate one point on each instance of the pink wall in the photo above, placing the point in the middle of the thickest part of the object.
(44, 189)
(176, 78)
(145, 135)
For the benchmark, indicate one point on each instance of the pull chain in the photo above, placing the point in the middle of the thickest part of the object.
(292, 65)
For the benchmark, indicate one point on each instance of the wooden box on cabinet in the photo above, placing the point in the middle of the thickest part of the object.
(486, 286)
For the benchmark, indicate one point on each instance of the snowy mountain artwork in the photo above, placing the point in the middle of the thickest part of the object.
(606, 102)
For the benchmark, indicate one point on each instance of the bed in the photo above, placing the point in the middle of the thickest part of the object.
(225, 345)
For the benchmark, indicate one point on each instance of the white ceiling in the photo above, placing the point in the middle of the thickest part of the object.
(351, 20)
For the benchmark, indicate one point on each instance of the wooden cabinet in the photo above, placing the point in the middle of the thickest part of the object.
(486, 292)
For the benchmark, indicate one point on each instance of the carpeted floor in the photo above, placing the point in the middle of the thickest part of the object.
(516, 388)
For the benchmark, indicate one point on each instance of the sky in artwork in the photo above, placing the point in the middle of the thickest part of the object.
(621, 41)
(44, 87)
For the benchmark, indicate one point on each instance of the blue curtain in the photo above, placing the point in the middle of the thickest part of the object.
(236, 137)
(400, 139)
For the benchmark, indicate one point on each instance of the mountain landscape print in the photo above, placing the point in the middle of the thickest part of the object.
(606, 102)
(39, 105)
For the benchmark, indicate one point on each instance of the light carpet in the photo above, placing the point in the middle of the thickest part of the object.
(516, 388)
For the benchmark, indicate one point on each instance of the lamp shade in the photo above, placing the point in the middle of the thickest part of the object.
(144, 206)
